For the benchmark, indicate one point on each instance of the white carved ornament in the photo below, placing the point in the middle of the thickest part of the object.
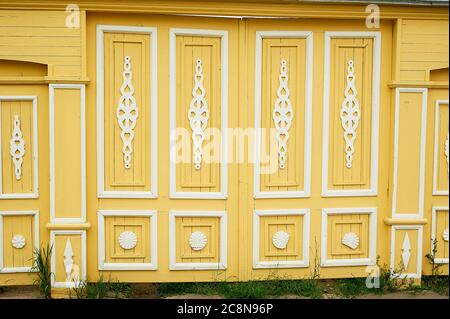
(280, 239)
(406, 250)
(198, 114)
(351, 240)
(127, 112)
(282, 115)
(197, 240)
(17, 147)
(68, 258)
(127, 240)
(446, 152)
(445, 234)
(350, 114)
(18, 241)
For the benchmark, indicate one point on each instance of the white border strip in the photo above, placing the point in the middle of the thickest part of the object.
(152, 215)
(423, 133)
(436, 191)
(304, 261)
(434, 211)
(35, 215)
(371, 259)
(102, 193)
(306, 192)
(81, 87)
(222, 264)
(173, 32)
(53, 235)
(419, 229)
(35, 193)
(373, 190)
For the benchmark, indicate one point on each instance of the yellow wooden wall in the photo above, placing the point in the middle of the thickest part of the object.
(85, 198)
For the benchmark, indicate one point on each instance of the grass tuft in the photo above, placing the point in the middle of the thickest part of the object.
(41, 264)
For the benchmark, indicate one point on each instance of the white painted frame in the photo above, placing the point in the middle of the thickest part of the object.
(35, 215)
(423, 133)
(53, 234)
(101, 192)
(419, 228)
(153, 244)
(222, 264)
(373, 190)
(223, 35)
(35, 193)
(436, 191)
(434, 211)
(304, 261)
(52, 88)
(306, 192)
(371, 259)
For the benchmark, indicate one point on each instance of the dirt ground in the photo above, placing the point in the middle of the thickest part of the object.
(31, 292)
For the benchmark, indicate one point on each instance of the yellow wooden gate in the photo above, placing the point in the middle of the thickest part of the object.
(209, 148)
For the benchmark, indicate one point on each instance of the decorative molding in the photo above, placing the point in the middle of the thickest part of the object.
(102, 193)
(303, 262)
(173, 33)
(351, 240)
(370, 260)
(128, 240)
(350, 114)
(75, 277)
(17, 147)
(35, 215)
(34, 151)
(280, 239)
(419, 229)
(198, 114)
(306, 192)
(282, 115)
(153, 240)
(197, 240)
(82, 89)
(434, 235)
(406, 251)
(437, 148)
(127, 112)
(423, 129)
(223, 233)
(373, 190)
(18, 241)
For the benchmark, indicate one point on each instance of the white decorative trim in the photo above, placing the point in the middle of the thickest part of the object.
(371, 259)
(198, 240)
(34, 155)
(17, 147)
(419, 228)
(280, 239)
(434, 236)
(102, 193)
(306, 192)
(350, 240)
(128, 240)
(68, 261)
(437, 147)
(282, 115)
(35, 215)
(127, 112)
(223, 193)
(423, 133)
(18, 241)
(222, 264)
(52, 88)
(304, 261)
(373, 190)
(350, 114)
(152, 215)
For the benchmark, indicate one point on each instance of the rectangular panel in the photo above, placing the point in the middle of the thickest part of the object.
(283, 100)
(351, 110)
(127, 111)
(67, 153)
(409, 152)
(406, 251)
(441, 149)
(19, 147)
(198, 112)
(439, 234)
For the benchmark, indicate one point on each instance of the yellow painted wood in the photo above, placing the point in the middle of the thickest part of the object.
(18, 225)
(398, 260)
